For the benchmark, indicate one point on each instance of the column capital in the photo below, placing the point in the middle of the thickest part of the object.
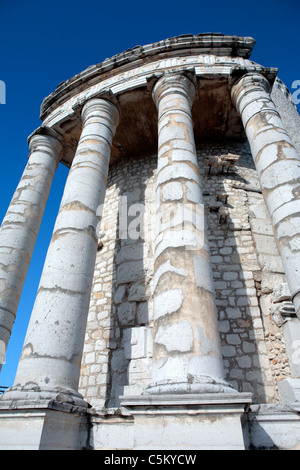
(46, 137)
(85, 106)
(46, 130)
(97, 107)
(249, 82)
(183, 83)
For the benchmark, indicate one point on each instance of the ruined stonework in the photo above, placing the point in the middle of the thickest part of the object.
(245, 264)
(167, 315)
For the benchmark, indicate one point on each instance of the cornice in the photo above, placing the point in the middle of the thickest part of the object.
(208, 44)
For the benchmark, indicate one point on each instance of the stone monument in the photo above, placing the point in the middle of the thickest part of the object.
(167, 314)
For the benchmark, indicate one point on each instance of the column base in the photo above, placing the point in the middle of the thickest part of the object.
(273, 427)
(190, 421)
(43, 425)
(289, 391)
(34, 393)
(199, 385)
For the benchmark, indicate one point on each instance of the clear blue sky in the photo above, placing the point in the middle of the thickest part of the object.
(46, 42)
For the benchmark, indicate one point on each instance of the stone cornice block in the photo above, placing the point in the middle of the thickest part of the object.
(104, 95)
(214, 43)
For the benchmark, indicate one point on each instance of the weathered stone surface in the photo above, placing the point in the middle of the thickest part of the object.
(235, 283)
(181, 362)
(147, 280)
(21, 224)
(126, 314)
(130, 271)
(138, 293)
(53, 346)
(154, 414)
(281, 293)
(278, 164)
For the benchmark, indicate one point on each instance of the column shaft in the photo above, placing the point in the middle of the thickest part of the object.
(52, 351)
(278, 165)
(187, 354)
(21, 225)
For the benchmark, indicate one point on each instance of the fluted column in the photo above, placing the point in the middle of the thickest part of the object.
(21, 224)
(186, 350)
(278, 165)
(51, 357)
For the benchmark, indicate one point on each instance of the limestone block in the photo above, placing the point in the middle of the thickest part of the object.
(185, 421)
(118, 363)
(172, 191)
(53, 426)
(140, 371)
(266, 244)
(130, 271)
(137, 342)
(142, 313)
(126, 313)
(261, 226)
(292, 338)
(273, 427)
(289, 390)
(138, 293)
(130, 253)
(271, 263)
(281, 293)
(111, 432)
(120, 294)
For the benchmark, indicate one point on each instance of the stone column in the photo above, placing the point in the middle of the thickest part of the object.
(50, 363)
(21, 224)
(278, 166)
(187, 354)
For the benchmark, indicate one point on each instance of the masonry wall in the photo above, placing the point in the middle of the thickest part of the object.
(246, 267)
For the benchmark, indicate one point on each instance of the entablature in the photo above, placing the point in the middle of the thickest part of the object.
(215, 60)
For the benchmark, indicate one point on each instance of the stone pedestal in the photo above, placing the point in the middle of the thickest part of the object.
(44, 425)
(203, 421)
(273, 427)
